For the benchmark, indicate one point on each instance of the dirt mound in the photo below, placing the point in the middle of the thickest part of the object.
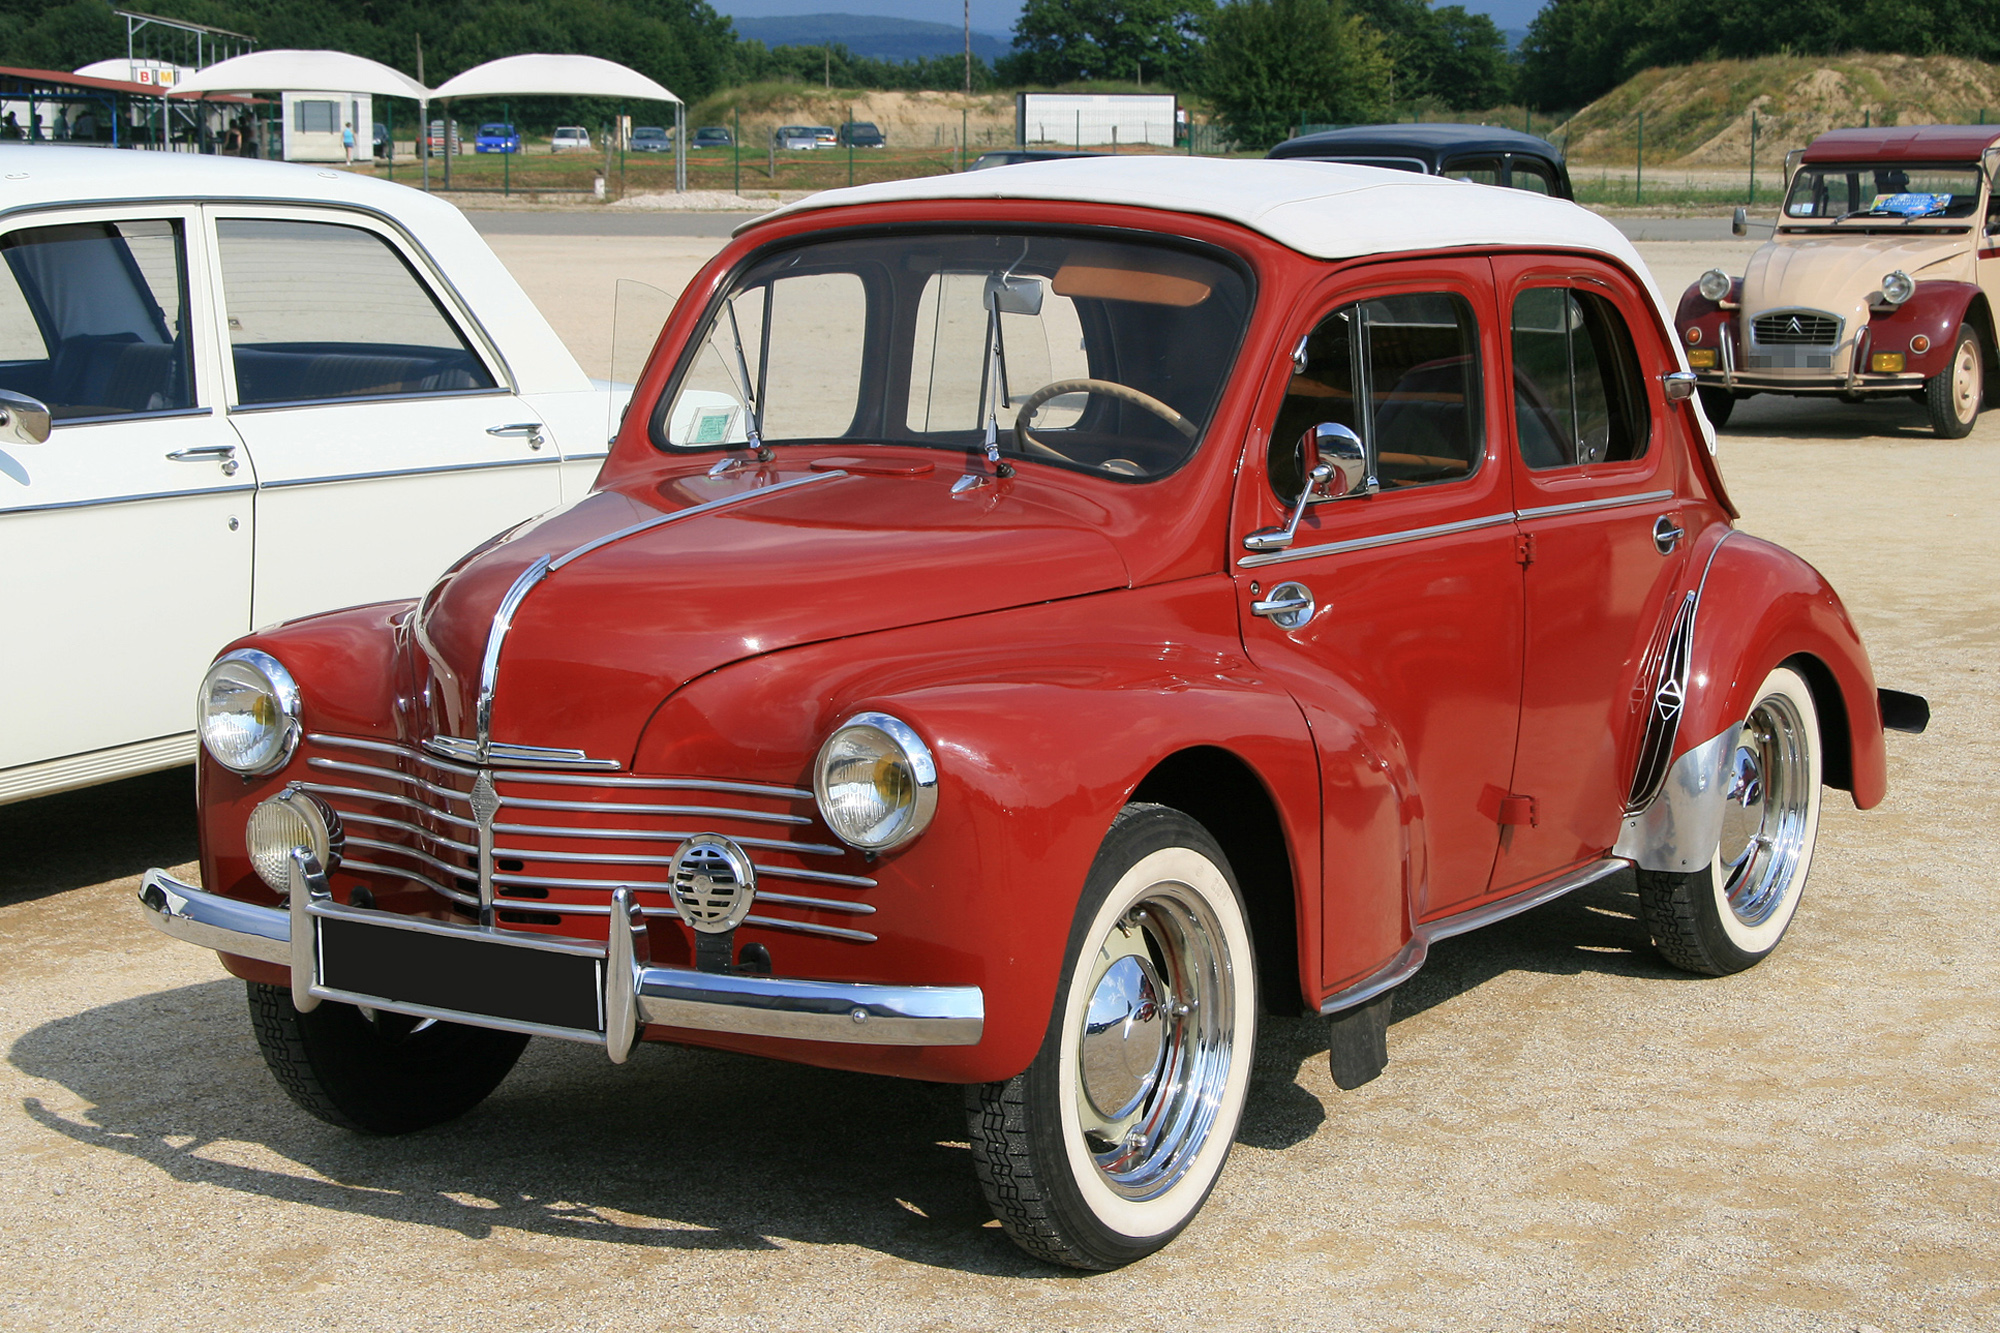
(1699, 115)
(906, 119)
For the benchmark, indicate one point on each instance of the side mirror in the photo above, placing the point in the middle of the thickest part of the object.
(1739, 222)
(23, 420)
(1679, 385)
(1334, 463)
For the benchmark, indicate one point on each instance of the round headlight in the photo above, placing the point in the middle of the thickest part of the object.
(1713, 285)
(248, 713)
(876, 782)
(289, 821)
(1898, 287)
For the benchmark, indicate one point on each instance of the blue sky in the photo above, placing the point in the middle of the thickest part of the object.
(997, 16)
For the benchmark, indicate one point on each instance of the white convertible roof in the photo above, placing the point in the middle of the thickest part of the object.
(1327, 210)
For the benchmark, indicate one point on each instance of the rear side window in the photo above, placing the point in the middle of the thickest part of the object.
(1401, 372)
(93, 318)
(1578, 395)
(323, 311)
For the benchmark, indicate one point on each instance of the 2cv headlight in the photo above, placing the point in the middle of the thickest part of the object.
(876, 782)
(248, 712)
(1898, 287)
(1713, 285)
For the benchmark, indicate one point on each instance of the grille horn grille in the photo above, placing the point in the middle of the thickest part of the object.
(409, 816)
(1795, 328)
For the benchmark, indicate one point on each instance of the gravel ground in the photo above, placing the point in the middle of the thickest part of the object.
(1570, 1135)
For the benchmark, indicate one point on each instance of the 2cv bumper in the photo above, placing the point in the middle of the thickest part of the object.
(552, 986)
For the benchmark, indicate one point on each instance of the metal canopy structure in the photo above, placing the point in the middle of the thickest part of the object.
(308, 72)
(544, 75)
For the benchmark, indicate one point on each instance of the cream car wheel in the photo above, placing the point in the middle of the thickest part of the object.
(1731, 915)
(1953, 395)
(1103, 1150)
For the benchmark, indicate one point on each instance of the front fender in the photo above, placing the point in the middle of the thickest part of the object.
(1759, 606)
(1935, 311)
(1043, 720)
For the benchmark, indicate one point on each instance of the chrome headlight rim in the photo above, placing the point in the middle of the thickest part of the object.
(324, 836)
(916, 759)
(1898, 287)
(284, 690)
(1714, 285)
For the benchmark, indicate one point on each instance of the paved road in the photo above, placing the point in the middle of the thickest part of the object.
(1571, 1136)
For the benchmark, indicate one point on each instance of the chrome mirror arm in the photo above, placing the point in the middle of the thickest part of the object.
(1278, 539)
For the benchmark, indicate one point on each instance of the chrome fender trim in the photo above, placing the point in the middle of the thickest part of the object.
(1682, 826)
(849, 1012)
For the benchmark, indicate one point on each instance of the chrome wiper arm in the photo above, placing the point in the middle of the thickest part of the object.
(753, 415)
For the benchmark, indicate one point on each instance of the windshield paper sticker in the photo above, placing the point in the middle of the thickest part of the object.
(711, 425)
(1911, 205)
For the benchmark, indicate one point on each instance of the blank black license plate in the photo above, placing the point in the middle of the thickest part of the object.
(480, 977)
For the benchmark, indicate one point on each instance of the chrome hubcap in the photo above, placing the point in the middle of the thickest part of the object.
(1153, 1055)
(1764, 819)
(1965, 382)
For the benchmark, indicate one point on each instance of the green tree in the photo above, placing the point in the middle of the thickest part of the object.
(1064, 41)
(1448, 53)
(1271, 63)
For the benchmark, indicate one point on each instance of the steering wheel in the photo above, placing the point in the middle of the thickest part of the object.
(1028, 444)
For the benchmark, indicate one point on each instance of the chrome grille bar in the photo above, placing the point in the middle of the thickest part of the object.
(672, 784)
(358, 817)
(397, 872)
(361, 793)
(620, 808)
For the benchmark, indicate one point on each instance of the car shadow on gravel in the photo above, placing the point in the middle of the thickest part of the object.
(78, 838)
(1828, 420)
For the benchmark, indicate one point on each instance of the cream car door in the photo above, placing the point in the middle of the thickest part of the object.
(386, 433)
(127, 536)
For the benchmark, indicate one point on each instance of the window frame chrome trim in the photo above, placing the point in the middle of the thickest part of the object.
(289, 404)
(108, 418)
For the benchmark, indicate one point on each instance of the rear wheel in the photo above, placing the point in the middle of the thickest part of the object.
(1952, 396)
(1717, 404)
(1731, 915)
(1104, 1149)
(375, 1072)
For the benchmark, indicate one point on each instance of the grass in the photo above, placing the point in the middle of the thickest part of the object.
(1664, 191)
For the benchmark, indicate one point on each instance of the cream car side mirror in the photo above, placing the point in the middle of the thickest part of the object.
(23, 420)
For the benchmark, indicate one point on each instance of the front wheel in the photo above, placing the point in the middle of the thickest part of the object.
(1952, 396)
(1104, 1149)
(376, 1072)
(1731, 915)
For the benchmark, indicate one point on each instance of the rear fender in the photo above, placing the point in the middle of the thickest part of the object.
(1759, 607)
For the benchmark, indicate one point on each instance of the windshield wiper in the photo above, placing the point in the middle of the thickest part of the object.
(753, 411)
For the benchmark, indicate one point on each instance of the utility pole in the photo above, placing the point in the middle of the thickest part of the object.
(968, 48)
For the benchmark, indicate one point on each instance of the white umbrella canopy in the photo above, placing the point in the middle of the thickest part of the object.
(301, 72)
(552, 76)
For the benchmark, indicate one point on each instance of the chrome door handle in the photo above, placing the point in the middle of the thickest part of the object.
(531, 431)
(224, 454)
(1290, 606)
(1667, 534)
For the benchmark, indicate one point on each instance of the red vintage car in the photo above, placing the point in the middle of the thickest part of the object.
(1029, 623)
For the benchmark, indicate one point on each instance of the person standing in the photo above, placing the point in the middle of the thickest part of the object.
(347, 140)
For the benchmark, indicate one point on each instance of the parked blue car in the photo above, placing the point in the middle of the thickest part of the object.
(497, 137)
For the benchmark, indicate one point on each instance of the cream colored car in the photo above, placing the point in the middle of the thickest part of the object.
(235, 393)
(1877, 280)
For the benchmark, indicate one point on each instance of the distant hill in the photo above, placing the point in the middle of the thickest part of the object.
(870, 35)
(1699, 115)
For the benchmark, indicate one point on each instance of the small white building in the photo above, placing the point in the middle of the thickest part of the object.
(1094, 120)
(314, 121)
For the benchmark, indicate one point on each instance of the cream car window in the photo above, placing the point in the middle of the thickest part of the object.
(323, 311)
(93, 318)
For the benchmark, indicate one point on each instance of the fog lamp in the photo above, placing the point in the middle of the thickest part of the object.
(876, 782)
(1898, 287)
(1713, 285)
(290, 821)
(1702, 358)
(1886, 363)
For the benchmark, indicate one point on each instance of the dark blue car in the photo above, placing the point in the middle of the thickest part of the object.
(497, 137)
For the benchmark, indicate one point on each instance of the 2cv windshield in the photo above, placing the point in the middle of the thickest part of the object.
(1883, 190)
(1079, 349)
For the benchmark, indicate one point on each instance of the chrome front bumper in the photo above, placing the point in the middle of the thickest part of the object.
(633, 993)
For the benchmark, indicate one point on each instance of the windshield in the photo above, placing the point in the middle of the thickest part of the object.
(1892, 190)
(496, 130)
(1084, 350)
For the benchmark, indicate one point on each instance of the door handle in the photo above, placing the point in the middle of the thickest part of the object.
(531, 431)
(1290, 606)
(224, 454)
(1667, 534)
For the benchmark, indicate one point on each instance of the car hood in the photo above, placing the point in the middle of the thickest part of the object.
(654, 583)
(1843, 274)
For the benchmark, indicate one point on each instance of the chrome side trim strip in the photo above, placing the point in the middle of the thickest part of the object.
(660, 520)
(386, 473)
(234, 489)
(386, 747)
(834, 1011)
(496, 634)
(1593, 506)
(1417, 951)
(1370, 543)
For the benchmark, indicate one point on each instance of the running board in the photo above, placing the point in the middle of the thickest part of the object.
(1413, 954)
